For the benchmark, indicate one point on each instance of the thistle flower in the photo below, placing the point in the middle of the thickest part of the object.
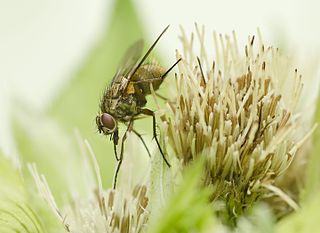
(239, 112)
(122, 210)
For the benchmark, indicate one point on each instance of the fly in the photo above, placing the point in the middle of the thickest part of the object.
(125, 99)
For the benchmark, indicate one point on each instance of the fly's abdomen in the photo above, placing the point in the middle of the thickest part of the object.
(146, 74)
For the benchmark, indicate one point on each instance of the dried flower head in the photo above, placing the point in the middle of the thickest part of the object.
(238, 111)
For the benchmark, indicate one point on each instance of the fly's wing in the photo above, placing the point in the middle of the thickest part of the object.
(130, 59)
(129, 64)
(136, 67)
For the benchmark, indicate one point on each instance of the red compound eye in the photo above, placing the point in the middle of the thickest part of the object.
(107, 121)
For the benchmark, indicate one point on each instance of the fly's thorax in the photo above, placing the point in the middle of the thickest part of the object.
(117, 86)
(146, 74)
(113, 94)
(125, 107)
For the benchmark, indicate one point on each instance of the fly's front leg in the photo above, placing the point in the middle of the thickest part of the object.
(148, 112)
(124, 137)
(115, 138)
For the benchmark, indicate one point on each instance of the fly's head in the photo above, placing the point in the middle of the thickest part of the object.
(106, 123)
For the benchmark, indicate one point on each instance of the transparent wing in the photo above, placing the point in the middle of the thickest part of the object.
(130, 58)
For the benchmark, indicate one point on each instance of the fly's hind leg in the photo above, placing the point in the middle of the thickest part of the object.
(162, 97)
(124, 137)
(151, 80)
(148, 112)
(143, 142)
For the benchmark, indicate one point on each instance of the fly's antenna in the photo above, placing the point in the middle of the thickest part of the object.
(147, 53)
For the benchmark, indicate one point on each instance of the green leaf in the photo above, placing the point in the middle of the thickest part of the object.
(258, 220)
(304, 221)
(187, 210)
(312, 178)
(18, 209)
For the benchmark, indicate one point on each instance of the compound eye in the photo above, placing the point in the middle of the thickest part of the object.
(107, 121)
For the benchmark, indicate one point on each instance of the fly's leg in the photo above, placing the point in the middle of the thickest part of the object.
(140, 137)
(115, 138)
(168, 71)
(124, 137)
(202, 73)
(150, 80)
(162, 97)
(148, 112)
(115, 151)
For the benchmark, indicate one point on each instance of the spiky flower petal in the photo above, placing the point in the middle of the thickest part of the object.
(238, 111)
(121, 210)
